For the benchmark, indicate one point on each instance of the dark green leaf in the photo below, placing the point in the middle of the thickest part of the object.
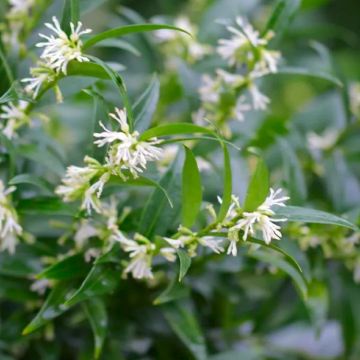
(102, 279)
(45, 206)
(68, 268)
(173, 292)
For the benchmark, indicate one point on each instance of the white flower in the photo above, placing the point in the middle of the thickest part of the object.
(168, 253)
(213, 243)
(233, 238)
(15, 116)
(9, 226)
(247, 47)
(141, 257)
(59, 50)
(261, 219)
(40, 75)
(127, 152)
(93, 193)
(91, 253)
(259, 100)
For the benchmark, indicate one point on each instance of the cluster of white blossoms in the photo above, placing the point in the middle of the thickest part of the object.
(180, 44)
(59, 49)
(229, 95)
(125, 153)
(10, 229)
(13, 116)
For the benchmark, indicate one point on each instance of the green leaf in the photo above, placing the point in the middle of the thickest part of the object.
(300, 214)
(156, 216)
(102, 279)
(41, 155)
(68, 268)
(310, 73)
(53, 307)
(186, 327)
(258, 188)
(71, 13)
(126, 30)
(145, 106)
(174, 129)
(120, 84)
(90, 69)
(14, 93)
(96, 313)
(33, 180)
(283, 264)
(120, 44)
(283, 14)
(174, 291)
(6, 65)
(140, 181)
(295, 180)
(227, 192)
(191, 189)
(185, 263)
(45, 206)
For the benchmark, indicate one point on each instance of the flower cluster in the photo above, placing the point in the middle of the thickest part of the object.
(13, 116)
(125, 153)
(58, 51)
(10, 229)
(228, 95)
(141, 251)
(180, 44)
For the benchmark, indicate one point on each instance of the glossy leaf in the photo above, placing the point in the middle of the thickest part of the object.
(33, 180)
(174, 291)
(46, 206)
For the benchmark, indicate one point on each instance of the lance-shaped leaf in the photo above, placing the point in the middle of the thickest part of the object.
(227, 192)
(258, 188)
(126, 30)
(174, 291)
(53, 307)
(282, 263)
(96, 313)
(145, 106)
(185, 263)
(33, 180)
(191, 189)
(300, 214)
(68, 268)
(186, 327)
(102, 279)
(175, 129)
